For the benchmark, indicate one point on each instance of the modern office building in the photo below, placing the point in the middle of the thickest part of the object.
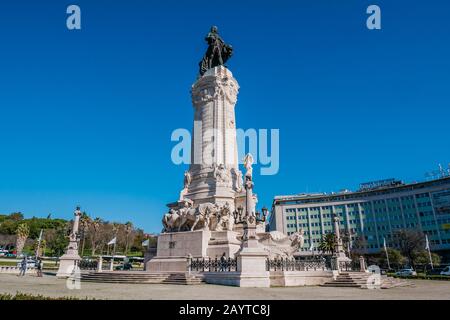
(374, 212)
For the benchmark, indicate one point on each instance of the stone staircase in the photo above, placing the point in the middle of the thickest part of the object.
(142, 277)
(349, 280)
(360, 280)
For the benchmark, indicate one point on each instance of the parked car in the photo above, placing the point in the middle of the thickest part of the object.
(434, 271)
(446, 271)
(30, 264)
(125, 266)
(3, 253)
(406, 272)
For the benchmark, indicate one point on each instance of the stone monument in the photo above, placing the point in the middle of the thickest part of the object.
(339, 255)
(201, 222)
(69, 261)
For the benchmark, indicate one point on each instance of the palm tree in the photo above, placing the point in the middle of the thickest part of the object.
(85, 221)
(128, 229)
(328, 243)
(22, 232)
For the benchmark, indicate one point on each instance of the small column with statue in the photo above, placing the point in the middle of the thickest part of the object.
(69, 261)
(339, 256)
(251, 258)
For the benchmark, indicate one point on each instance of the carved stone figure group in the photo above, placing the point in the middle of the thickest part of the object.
(206, 216)
(278, 245)
(221, 174)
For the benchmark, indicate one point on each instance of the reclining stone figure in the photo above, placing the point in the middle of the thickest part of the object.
(278, 245)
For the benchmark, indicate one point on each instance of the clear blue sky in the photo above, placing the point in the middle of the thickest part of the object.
(86, 116)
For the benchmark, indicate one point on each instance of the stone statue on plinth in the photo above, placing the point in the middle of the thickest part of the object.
(248, 163)
(186, 182)
(187, 179)
(218, 51)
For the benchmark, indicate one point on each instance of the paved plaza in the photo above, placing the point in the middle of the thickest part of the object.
(53, 287)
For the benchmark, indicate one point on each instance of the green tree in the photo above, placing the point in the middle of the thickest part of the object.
(396, 259)
(16, 216)
(57, 241)
(410, 242)
(422, 257)
(8, 227)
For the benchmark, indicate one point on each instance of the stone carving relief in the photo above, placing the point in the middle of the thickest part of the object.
(221, 174)
(278, 245)
(212, 88)
(238, 182)
(206, 216)
(223, 220)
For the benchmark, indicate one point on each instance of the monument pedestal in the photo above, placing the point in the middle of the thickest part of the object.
(251, 258)
(67, 263)
(251, 270)
(223, 242)
(174, 248)
(251, 264)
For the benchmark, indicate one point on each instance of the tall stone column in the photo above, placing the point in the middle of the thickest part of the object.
(214, 170)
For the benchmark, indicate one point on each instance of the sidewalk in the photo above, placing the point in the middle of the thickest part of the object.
(53, 287)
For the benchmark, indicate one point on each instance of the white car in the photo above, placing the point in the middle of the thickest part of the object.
(406, 272)
(446, 271)
(30, 264)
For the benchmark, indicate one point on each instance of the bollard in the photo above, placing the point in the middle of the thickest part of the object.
(100, 264)
(362, 264)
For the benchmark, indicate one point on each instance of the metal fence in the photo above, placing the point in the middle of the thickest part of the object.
(213, 265)
(287, 264)
(345, 265)
(88, 264)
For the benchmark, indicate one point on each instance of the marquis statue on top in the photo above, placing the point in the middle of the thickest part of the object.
(218, 51)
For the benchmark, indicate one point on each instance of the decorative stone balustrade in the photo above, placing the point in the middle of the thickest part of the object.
(15, 270)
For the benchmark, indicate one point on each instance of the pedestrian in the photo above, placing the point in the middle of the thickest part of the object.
(23, 266)
(223, 262)
(39, 267)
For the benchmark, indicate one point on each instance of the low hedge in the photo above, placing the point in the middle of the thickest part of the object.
(27, 296)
